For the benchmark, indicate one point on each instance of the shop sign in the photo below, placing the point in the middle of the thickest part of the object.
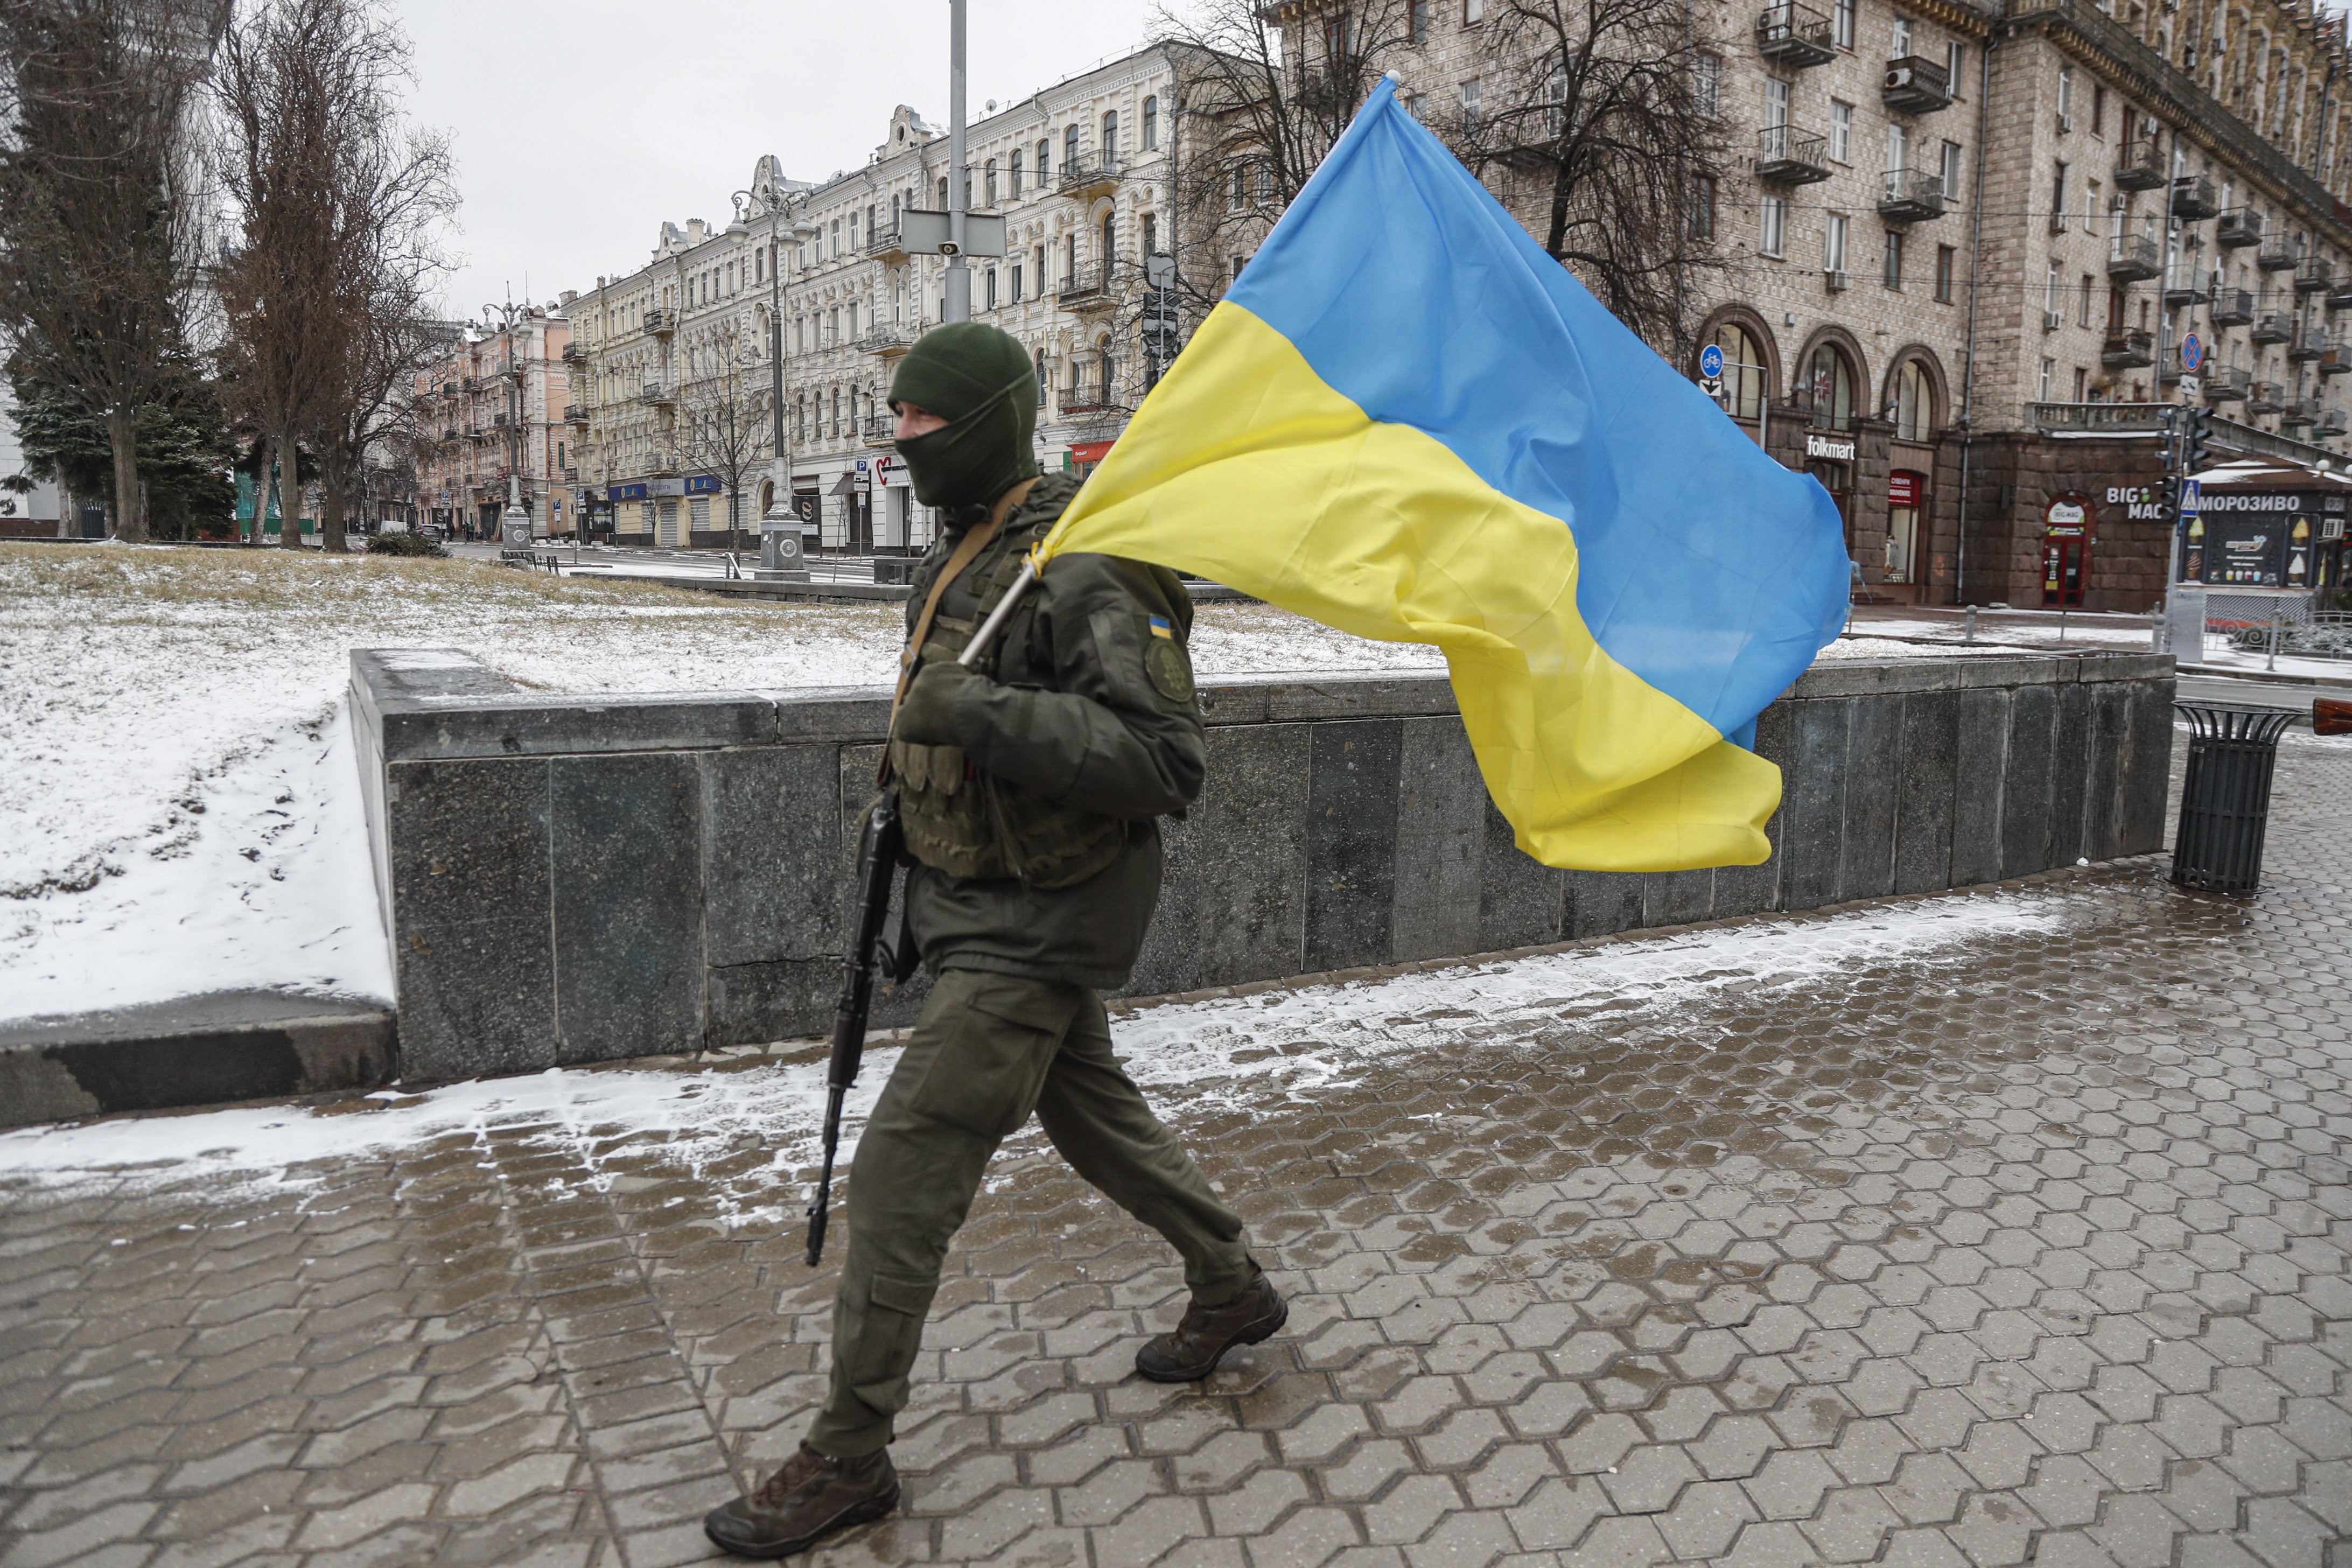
(2232, 500)
(891, 474)
(2066, 517)
(1903, 488)
(1830, 446)
(627, 492)
(702, 484)
(2246, 550)
(2140, 503)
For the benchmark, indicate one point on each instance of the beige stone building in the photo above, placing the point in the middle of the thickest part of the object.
(1080, 174)
(494, 400)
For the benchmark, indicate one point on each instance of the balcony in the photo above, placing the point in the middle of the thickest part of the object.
(2188, 284)
(2298, 414)
(1909, 196)
(449, 434)
(574, 352)
(1794, 36)
(2274, 327)
(661, 324)
(2192, 198)
(2141, 168)
(2265, 397)
(498, 421)
(2128, 350)
(471, 383)
(2277, 254)
(659, 393)
(2336, 358)
(885, 245)
(2314, 277)
(575, 413)
(1093, 399)
(2339, 293)
(1088, 289)
(880, 429)
(1087, 178)
(887, 341)
(2307, 345)
(1788, 156)
(2233, 307)
(1916, 85)
(2331, 423)
(2227, 385)
(2133, 257)
(2240, 226)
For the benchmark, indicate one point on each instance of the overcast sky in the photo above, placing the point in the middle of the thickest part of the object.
(580, 126)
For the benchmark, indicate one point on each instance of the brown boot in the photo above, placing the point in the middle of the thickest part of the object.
(1194, 1349)
(810, 1498)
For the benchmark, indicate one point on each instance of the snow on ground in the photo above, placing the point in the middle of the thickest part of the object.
(156, 702)
(1195, 1058)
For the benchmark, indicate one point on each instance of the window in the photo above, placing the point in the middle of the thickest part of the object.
(1899, 44)
(2080, 378)
(1951, 172)
(1771, 225)
(1842, 20)
(988, 185)
(1013, 174)
(990, 294)
(1702, 217)
(1070, 149)
(1955, 63)
(2065, 97)
(2098, 109)
(1944, 258)
(1833, 243)
(944, 193)
(1151, 233)
(2090, 207)
(2083, 308)
(2058, 193)
(1706, 84)
(1417, 20)
(1110, 139)
(1828, 388)
(1743, 371)
(1016, 283)
(1109, 249)
(1069, 260)
(1151, 124)
(1893, 272)
(833, 325)
(2052, 295)
(1841, 132)
(1470, 90)
(1914, 409)
(1041, 378)
(1898, 153)
(1241, 187)
(1473, 11)
(1045, 161)
(2049, 369)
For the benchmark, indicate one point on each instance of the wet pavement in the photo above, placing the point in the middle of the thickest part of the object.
(2029, 1247)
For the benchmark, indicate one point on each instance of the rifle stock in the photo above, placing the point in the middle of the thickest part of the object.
(877, 866)
(2331, 716)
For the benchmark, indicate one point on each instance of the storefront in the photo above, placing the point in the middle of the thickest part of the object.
(1084, 456)
(1907, 504)
(2268, 525)
(2069, 528)
(1829, 458)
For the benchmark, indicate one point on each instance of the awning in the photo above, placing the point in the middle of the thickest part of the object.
(1090, 451)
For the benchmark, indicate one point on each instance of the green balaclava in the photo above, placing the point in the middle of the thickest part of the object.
(981, 382)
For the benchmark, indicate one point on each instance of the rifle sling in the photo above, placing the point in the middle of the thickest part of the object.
(966, 552)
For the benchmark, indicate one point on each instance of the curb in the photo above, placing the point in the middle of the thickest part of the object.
(199, 1050)
(2265, 677)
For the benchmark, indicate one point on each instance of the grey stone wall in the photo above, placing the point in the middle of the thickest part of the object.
(573, 880)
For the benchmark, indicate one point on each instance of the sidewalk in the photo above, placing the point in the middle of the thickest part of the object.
(1993, 1228)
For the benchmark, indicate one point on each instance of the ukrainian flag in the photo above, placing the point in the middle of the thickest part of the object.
(1406, 421)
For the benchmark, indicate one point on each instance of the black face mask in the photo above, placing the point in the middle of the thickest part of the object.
(972, 461)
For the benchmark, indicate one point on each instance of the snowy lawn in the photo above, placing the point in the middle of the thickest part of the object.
(178, 807)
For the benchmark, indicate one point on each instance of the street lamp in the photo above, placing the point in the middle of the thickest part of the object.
(513, 517)
(781, 456)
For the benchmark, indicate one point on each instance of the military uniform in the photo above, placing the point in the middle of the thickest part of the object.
(1038, 866)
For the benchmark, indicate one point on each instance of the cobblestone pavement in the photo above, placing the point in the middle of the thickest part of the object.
(2028, 1252)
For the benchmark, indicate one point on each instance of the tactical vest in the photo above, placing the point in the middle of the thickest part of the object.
(964, 821)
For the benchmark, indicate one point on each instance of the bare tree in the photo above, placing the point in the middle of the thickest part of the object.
(1598, 125)
(337, 205)
(98, 208)
(723, 427)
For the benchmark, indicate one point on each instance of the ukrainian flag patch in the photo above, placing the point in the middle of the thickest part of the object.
(1160, 629)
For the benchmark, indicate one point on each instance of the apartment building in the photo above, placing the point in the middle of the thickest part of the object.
(493, 402)
(1080, 172)
(1962, 248)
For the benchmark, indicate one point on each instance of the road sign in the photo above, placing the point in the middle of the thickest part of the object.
(1160, 270)
(2191, 386)
(1710, 361)
(2188, 499)
(1712, 385)
(2192, 353)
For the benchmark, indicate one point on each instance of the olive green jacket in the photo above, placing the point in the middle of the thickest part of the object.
(1082, 708)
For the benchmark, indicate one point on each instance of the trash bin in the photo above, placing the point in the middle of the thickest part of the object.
(2225, 799)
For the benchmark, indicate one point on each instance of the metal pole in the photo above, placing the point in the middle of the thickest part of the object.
(780, 454)
(956, 307)
(2164, 330)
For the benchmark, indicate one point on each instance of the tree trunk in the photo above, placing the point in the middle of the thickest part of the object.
(130, 496)
(331, 504)
(264, 460)
(290, 492)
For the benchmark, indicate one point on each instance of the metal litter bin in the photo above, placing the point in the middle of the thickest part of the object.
(2225, 799)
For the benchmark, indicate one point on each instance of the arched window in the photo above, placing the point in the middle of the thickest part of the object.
(1828, 388)
(1110, 246)
(1744, 372)
(1110, 139)
(1070, 148)
(1044, 161)
(1109, 371)
(1016, 172)
(1041, 378)
(1914, 402)
(1151, 123)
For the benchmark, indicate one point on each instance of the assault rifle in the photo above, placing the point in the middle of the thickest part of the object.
(879, 846)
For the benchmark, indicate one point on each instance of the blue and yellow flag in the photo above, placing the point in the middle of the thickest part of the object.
(1406, 421)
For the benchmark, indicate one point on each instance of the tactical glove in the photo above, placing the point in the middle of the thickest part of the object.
(927, 717)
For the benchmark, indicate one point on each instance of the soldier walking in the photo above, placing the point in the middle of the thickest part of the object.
(1030, 787)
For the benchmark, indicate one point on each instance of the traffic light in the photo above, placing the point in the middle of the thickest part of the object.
(2174, 440)
(2196, 439)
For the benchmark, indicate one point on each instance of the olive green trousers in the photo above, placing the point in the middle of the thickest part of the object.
(990, 1050)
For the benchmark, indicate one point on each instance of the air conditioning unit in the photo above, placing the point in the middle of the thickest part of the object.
(2058, 223)
(2065, 122)
(1837, 280)
(2331, 528)
(2052, 319)
(1897, 76)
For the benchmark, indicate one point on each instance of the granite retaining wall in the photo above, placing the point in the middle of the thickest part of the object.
(571, 878)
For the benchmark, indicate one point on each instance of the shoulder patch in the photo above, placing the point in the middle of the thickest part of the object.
(1164, 662)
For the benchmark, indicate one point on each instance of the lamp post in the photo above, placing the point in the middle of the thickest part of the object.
(956, 301)
(513, 516)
